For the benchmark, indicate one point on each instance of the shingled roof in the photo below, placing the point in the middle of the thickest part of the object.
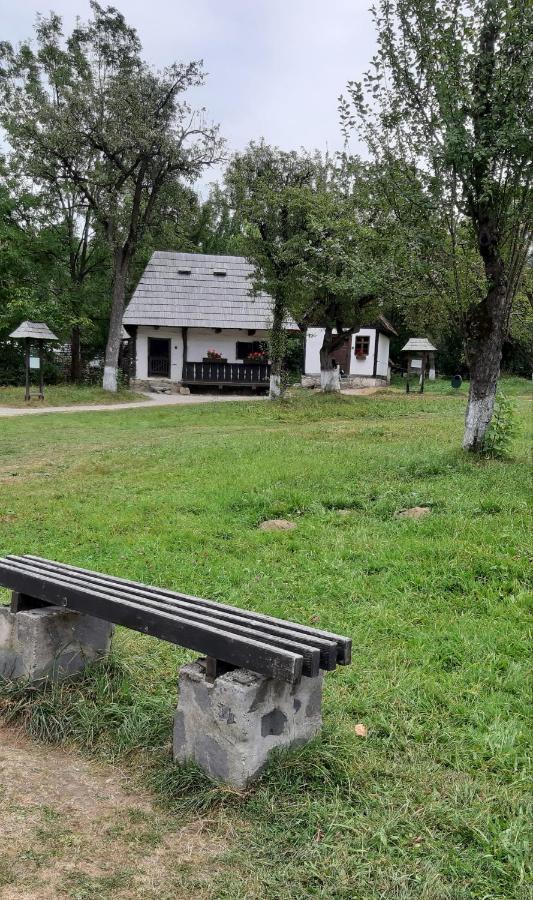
(418, 344)
(35, 330)
(200, 291)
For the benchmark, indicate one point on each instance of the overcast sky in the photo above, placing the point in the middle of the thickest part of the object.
(275, 67)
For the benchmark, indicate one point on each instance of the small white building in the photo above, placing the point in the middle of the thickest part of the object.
(363, 358)
(194, 320)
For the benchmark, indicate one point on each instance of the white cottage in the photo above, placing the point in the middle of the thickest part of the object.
(363, 359)
(195, 321)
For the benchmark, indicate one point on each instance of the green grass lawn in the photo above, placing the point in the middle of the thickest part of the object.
(65, 395)
(433, 803)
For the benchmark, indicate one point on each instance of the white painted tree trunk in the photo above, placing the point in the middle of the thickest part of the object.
(112, 350)
(110, 382)
(330, 380)
(275, 387)
(477, 419)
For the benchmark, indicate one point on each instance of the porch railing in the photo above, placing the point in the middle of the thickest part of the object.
(233, 374)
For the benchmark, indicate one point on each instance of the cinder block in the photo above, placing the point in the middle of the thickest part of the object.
(50, 642)
(230, 726)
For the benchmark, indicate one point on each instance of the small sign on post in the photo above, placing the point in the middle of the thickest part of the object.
(36, 333)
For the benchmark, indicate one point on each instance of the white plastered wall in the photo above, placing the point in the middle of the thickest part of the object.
(176, 350)
(200, 340)
(313, 343)
(383, 355)
(362, 367)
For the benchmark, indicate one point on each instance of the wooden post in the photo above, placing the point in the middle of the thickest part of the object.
(408, 373)
(27, 361)
(423, 372)
(41, 385)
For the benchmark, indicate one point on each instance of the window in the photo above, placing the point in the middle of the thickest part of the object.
(362, 345)
(244, 348)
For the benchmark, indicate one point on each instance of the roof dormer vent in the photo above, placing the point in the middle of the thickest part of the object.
(220, 273)
(184, 271)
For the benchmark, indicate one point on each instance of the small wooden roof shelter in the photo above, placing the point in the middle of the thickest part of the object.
(37, 332)
(419, 348)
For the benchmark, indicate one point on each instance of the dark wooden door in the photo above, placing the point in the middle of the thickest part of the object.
(342, 355)
(159, 357)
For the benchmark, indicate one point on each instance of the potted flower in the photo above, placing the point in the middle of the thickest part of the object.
(214, 356)
(257, 357)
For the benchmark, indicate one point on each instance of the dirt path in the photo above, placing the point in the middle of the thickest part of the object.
(70, 829)
(151, 400)
(157, 400)
(361, 392)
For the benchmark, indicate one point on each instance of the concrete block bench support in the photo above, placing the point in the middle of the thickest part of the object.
(49, 641)
(229, 726)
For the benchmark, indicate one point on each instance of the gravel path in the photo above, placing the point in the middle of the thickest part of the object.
(151, 400)
(157, 400)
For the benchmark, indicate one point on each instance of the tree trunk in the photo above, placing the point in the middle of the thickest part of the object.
(485, 334)
(330, 373)
(277, 352)
(275, 388)
(120, 274)
(75, 354)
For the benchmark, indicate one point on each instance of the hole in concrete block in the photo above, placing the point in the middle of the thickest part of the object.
(273, 722)
(226, 714)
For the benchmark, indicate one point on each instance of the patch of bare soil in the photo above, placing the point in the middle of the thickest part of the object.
(415, 512)
(361, 392)
(70, 828)
(277, 525)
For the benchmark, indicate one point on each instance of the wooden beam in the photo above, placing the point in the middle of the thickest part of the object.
(343, 644)
(236, 648)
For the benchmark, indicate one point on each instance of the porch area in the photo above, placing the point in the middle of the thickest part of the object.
(226, 374)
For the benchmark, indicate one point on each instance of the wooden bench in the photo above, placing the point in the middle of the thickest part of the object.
(259, 687)
(227, 634)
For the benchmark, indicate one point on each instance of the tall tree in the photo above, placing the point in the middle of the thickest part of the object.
(89, 112)
(260, 183)
(340, 257)
(451, 93)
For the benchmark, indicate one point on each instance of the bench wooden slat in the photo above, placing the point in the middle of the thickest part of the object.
(311, 655)
(237, 650)
(344, 644)
(263, 630)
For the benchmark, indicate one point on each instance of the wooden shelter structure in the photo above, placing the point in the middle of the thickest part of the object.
(423, 350)
(37, 333)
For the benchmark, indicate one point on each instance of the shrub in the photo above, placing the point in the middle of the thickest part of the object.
(502, 429)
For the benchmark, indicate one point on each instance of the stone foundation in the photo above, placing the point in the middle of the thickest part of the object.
(49, 642)
(155, 385)
(230, 726)
(347, 381)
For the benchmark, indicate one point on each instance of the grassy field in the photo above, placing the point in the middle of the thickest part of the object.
(65, 395)
(433, 803)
